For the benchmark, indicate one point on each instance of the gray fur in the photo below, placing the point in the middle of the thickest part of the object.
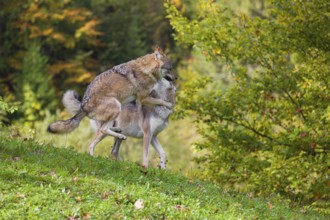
(71, 102)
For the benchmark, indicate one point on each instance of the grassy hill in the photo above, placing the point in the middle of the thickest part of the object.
(44, 182)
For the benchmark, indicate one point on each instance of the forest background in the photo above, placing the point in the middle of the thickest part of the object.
(253, 90)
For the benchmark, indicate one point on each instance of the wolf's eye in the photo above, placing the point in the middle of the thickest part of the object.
(167, 66)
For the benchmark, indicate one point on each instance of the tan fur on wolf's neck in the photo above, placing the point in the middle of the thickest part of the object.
(146, 64)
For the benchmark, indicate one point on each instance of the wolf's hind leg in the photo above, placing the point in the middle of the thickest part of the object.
(109, 131)
(99, 137)
(115, 149)
(102, 133)
(106, 111)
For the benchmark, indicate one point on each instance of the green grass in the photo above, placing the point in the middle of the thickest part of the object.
(44, 182)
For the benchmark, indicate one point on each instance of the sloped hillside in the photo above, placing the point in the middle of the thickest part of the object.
(43, 182)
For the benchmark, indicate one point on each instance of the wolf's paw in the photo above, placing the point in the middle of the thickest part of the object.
(144, 169)
(121, 136)
(162, 166)
(91, 151)
(169, 105)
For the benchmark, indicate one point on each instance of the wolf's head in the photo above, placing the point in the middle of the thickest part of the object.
(165, 90)
(165, 65)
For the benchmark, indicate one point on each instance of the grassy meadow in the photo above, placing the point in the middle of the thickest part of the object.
(40, 181)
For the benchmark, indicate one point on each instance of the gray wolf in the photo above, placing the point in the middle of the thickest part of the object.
(121, 84)
(143, 121)
(136, 120)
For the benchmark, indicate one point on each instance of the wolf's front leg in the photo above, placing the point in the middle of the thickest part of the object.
(146, 144)
(155, 101)
(158, 147)
(99, 137)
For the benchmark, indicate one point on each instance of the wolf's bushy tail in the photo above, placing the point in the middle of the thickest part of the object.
(73, 105)
(71, 101)
(66, 126)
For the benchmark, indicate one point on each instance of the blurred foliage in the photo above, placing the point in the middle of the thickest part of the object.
(267, 132)
(76, 40)
(33, 86)
(129, 29)
(65, 32)
(6, 108)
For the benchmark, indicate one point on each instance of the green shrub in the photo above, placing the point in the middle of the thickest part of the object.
(6, 108)
(267, 132)
(33, 86)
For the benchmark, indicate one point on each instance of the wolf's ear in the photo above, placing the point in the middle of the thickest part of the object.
(158, 52)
